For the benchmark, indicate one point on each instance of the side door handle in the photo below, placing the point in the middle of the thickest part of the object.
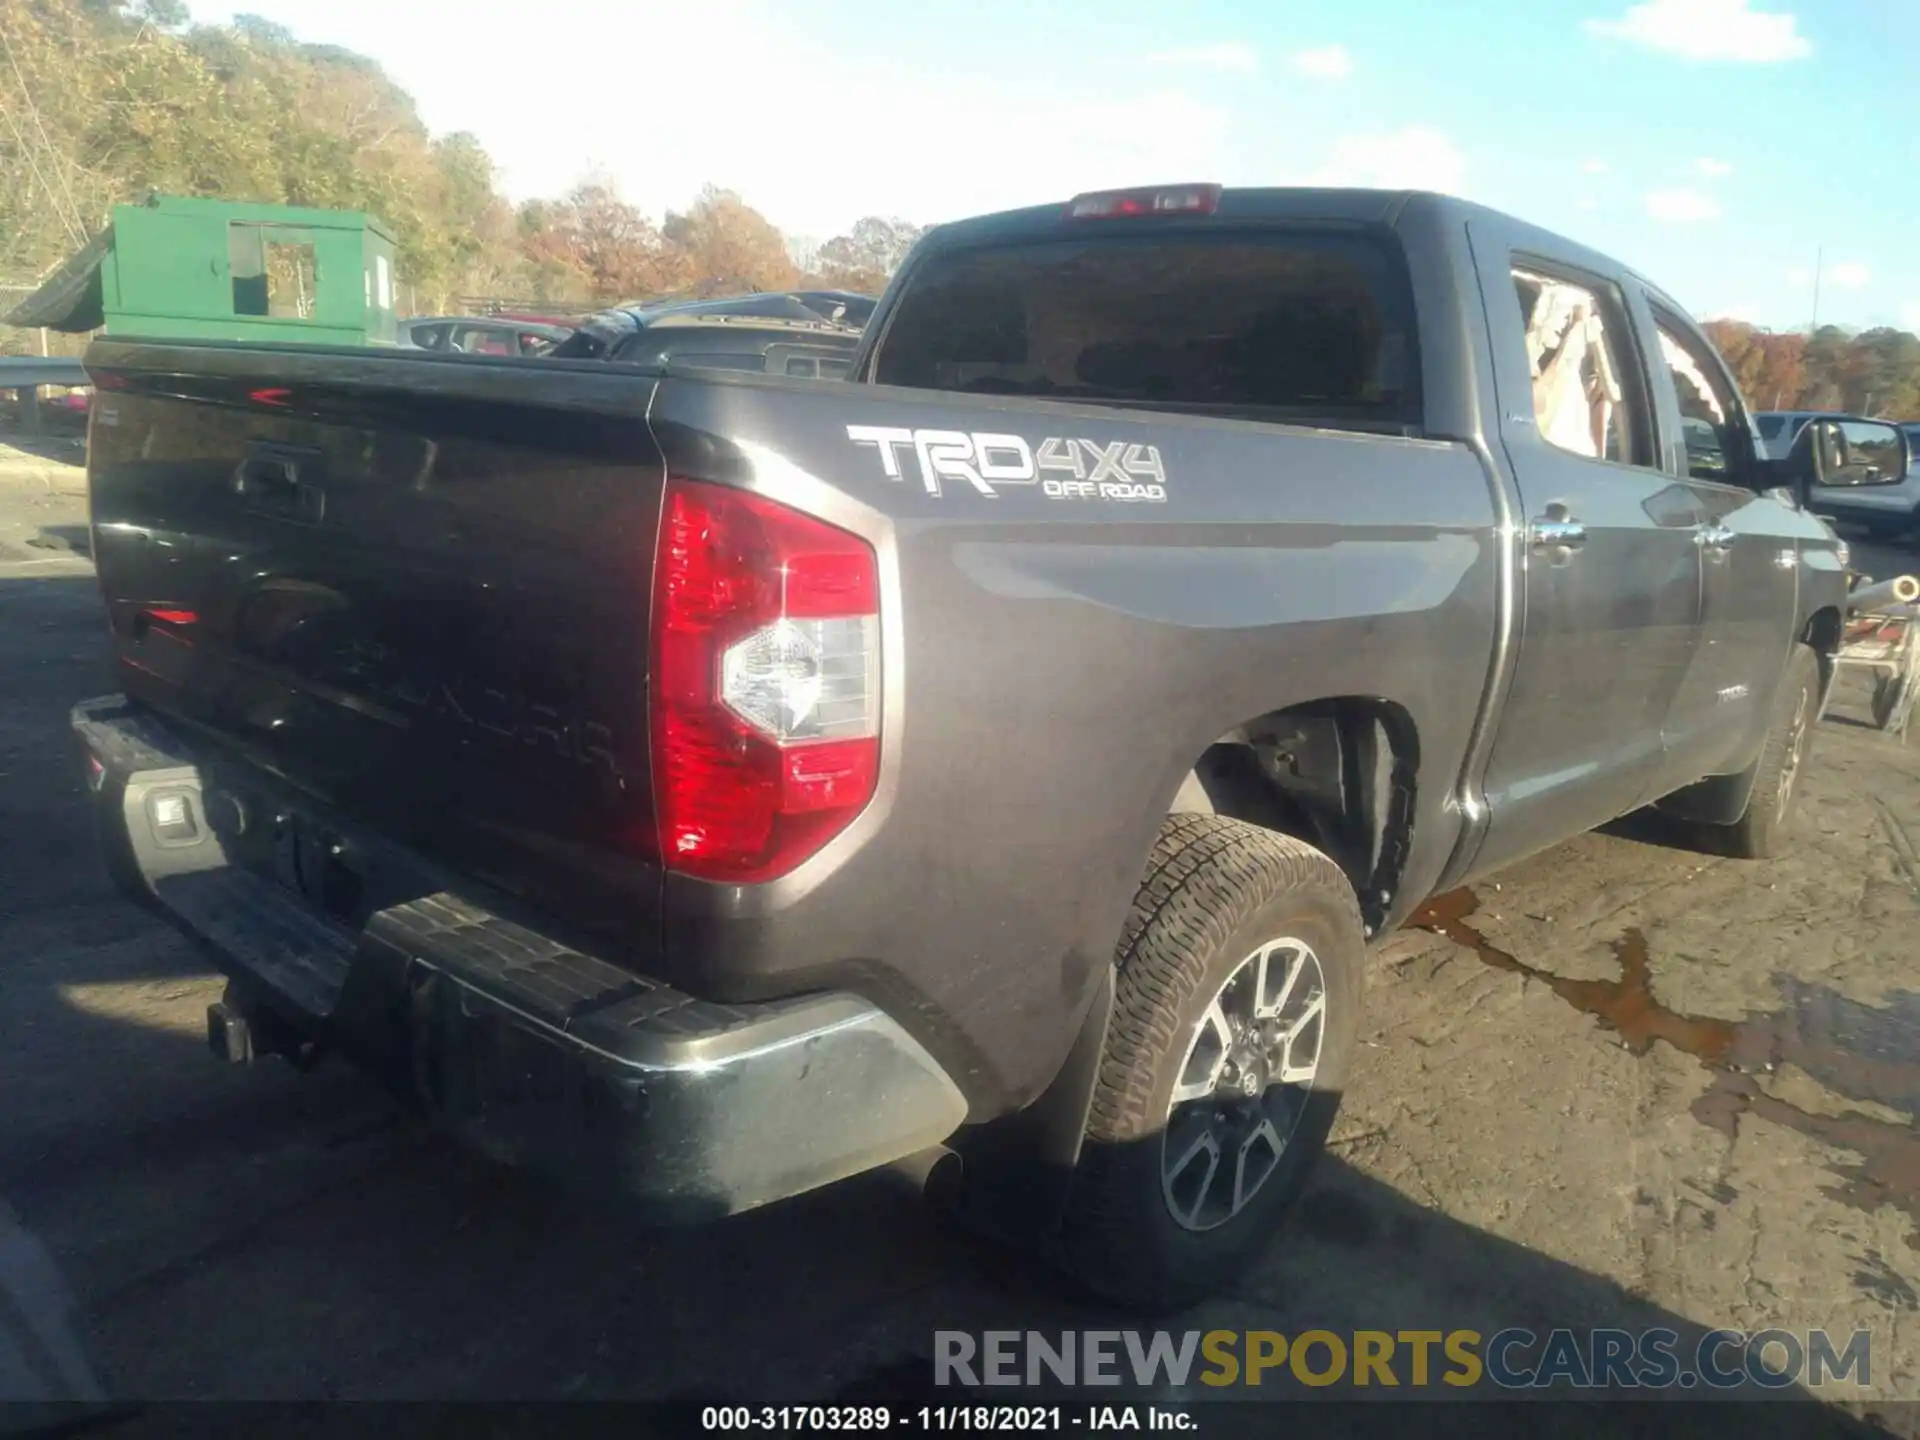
(1557, 533)
(1716, 540)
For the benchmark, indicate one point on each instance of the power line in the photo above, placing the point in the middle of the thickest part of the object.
(70, 217)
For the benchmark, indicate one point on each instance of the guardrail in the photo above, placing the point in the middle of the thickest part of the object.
(25, 374)
(19, 372)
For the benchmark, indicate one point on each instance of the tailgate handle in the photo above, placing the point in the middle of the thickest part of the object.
(272, 484)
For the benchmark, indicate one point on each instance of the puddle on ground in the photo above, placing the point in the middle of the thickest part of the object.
(1860, 1052)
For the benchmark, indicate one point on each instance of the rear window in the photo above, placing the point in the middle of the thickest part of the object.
(1281, 326)
(814, 365)
(1770, 426)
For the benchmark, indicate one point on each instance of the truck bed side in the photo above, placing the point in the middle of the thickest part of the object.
(452, 650)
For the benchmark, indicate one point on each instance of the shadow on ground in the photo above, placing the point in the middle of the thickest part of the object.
(64, 540)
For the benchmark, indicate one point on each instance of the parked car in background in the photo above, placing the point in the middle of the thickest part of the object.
(1705, 454)
(481, 335)
(701, 335)
(1780, 428)
(841, 307)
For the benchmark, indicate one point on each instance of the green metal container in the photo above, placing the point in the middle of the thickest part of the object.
(176, 268)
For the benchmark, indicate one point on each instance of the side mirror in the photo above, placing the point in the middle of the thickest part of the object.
(1849, 453)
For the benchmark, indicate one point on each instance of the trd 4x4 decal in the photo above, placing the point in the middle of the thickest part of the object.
(1064, 468)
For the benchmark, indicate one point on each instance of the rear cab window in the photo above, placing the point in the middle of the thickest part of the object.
(1278, 325)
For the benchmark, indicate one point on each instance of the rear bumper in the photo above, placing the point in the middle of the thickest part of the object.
(533, 1050)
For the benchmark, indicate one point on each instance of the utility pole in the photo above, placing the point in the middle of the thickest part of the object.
(1819, 258)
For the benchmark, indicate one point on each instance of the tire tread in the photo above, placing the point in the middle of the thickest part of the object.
(1205, 877)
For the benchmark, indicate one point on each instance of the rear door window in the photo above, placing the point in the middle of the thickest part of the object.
(1281, 326)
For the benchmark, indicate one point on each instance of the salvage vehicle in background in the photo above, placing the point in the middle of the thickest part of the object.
(773, 335)
(702, 785)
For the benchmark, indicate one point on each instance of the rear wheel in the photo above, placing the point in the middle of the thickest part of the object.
(1236, 1004)
(1760, 832)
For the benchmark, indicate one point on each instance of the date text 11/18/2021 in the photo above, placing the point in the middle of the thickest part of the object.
(939, 1419)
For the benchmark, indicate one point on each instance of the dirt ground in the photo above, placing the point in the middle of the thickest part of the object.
(1628, 1084)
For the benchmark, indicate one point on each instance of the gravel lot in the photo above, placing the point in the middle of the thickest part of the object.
(1629, 1084)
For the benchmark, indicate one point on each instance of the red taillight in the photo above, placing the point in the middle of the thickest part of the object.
(765, 680)
(1152, 200)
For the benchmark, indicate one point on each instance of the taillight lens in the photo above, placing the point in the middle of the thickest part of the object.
(766, 682)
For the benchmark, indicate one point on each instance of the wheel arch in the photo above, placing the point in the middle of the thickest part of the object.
(1822, 632)
(1338, 772)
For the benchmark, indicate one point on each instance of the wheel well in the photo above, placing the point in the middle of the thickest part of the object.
(1337, 773)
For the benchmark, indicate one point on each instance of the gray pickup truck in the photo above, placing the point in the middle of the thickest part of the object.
(704, 787)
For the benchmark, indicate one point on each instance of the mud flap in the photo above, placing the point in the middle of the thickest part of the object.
(1018, 1171)
(1717, 800)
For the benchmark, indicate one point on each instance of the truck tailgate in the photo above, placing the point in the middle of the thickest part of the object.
(414, 589)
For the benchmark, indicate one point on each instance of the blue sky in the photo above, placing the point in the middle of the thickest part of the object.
(1717, 145)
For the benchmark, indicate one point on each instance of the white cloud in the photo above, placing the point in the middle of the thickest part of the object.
(1713, 169)
(1587, 202)
(1708, 30)
(1594, 167)
(1330, 62)
(1682, 204)
(1416, 158)
(1800, 278)
(1231, 55)
(1747, 312)
(1910, 315)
